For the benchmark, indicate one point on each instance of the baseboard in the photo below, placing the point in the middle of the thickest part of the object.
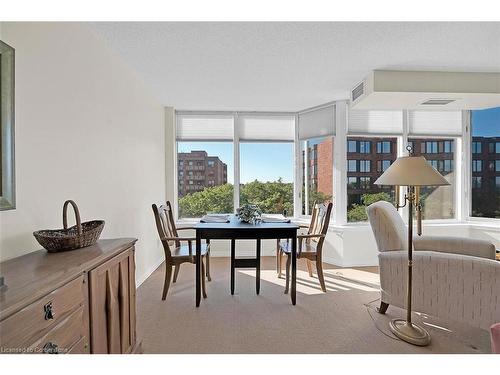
(140, 279)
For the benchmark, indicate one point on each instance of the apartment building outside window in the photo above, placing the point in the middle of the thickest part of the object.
(485, 198)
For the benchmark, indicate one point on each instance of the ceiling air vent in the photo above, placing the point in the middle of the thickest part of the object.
(358, 91)
(438, 101)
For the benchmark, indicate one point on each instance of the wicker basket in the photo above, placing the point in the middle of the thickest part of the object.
(75, 237)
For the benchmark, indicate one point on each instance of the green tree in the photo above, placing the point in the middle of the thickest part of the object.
(271, 197)
(217, 199)
(357, 212)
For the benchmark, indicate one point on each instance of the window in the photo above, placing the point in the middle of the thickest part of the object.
(494, 147)
(477, 182)
(431, 147)
(211, 163)
(361, 190)
(438, 202)
(477, 148)
(271, 188)
(485, 197)
(318, 178)
(365, 147)
(497, 182)
(477, 165)
(199, 192)
(352, 165)
(364, 166)
(382, 165)
(383, 147)
(351, 146)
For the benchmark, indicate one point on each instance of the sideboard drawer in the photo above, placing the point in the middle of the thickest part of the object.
(29, 324)
(63, 337)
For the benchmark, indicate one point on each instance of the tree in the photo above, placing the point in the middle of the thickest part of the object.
(357, 212)
(217, 199)
(271, 197)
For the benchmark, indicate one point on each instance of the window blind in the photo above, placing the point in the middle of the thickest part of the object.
(375, 122)
(435, 123)
(266, 127)
(200, 127)
(317, 123)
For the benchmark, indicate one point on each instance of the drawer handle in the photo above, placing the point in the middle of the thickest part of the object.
(50, 348)
(49, 311)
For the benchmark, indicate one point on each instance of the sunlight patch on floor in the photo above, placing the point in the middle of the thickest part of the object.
(336, 280)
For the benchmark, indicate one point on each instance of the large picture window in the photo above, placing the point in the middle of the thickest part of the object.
(266, 176)
(317, 170)
(485, 163)
(437, 202)
(204, 178)
(361, 173)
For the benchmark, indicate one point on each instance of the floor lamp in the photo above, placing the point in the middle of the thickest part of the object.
(412, 172)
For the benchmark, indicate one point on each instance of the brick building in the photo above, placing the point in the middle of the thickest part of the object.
(197, 171)
(485, 169)
(367, 159)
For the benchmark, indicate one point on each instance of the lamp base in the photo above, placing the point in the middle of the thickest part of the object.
(410, 332)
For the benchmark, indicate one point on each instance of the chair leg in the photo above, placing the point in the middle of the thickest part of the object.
(309, 267)
(383, 307)
(176, 272)
(168, 276)
(319, 269)
(208, 266)
(288, 263)
(280, 264)
(203, 289)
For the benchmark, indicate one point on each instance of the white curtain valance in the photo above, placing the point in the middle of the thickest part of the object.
(266, 127)
(435, 123)
(200, 127)
(375, 122)
(317, 123)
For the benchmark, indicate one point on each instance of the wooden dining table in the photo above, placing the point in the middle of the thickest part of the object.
(237, 230)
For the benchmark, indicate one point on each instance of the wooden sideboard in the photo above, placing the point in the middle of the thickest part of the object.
(79, 301)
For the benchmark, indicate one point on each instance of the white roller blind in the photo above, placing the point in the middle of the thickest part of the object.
(375, 122)
(199, 127)
(317, 123)
(435, 123)
(266, 127)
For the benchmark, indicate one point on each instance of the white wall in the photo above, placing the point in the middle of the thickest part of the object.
(86, 129)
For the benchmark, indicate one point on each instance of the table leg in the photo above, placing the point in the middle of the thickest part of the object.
(294, 269)
(198, 268)
(233, 254)
(257, 268)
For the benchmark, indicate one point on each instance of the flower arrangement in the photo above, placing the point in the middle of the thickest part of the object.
(249, 213)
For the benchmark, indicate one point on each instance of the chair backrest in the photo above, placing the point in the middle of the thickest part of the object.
(320, 219)
(165, 224)
(388, 227)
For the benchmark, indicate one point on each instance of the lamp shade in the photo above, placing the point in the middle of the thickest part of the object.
(411, 171)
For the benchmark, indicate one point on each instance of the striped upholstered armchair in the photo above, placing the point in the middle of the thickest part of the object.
(453, 278)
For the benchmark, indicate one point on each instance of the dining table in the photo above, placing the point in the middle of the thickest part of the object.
(234, 229)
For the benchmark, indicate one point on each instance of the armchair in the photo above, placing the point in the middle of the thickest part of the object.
(453, 278)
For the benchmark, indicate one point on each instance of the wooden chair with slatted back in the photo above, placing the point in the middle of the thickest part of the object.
(176, 252)
(310, 245)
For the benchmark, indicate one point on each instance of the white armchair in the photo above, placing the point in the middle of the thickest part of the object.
(453, 278)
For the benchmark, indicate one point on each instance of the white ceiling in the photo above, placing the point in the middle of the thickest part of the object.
(289, 66)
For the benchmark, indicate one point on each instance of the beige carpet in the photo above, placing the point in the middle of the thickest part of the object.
(334, 322)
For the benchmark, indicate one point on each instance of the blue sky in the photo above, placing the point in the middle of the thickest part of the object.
(486, 122)
(261, 161)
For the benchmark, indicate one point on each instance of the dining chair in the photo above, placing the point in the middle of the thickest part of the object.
(310, 245)
(177, 253)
